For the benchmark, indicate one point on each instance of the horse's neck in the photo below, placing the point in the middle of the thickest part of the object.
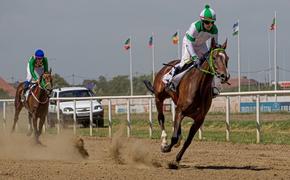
(43, 94)
(39, 92)
(206, 78)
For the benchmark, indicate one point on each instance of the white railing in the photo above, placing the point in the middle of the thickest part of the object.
(258, 94)
(109, 98)
(228, 95)
(5, 101)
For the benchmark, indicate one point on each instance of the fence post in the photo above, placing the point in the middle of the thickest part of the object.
(150, 118)
(75, 118)
(4, 114)
(228, 109)
(58, 117)
(128, 118)
(258, 118)
(91, 118)
(110, 118)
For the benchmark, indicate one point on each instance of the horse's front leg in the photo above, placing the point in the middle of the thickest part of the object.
(18, 107)
(193, 129)
(161, 119)
(40, 126)
(176, 131)
(30, 130)
(163, 132)
(36, 133)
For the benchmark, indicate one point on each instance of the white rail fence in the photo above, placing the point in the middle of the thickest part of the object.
(128, 99)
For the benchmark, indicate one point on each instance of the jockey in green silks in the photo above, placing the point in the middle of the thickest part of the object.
(194, 43)
(36, 66)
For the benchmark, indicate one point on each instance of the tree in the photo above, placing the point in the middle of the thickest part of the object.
(3, 94)
(59, 81)
(119, 85)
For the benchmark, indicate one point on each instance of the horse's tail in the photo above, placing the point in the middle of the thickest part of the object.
(149, 86)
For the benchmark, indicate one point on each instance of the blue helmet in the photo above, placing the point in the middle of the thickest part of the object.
(39, 53)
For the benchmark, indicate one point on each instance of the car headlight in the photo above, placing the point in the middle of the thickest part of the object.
(68, 109)
(98, 107)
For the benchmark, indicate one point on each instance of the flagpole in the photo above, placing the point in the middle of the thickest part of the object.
(275, 52)
(178, 48)
(239, 64)
(269, 54)
(131, 77)
(153, 58)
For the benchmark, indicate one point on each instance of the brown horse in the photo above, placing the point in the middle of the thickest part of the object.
(193, 97)
(36, 104)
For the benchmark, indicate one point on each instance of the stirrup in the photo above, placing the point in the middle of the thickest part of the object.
(22, 97)
(215, 92)
(170, 87)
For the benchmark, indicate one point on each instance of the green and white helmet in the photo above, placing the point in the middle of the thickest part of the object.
(207, 14)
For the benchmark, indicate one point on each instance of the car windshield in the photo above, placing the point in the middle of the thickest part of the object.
(75, 93)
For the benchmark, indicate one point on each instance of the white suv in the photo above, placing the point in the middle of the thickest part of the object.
(82, 107)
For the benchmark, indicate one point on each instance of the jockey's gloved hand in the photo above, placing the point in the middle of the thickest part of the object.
(194, 58)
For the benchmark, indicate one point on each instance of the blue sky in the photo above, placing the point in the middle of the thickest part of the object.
(85, 37)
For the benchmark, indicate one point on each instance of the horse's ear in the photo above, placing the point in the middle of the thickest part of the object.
(224, 46)
(213, 43)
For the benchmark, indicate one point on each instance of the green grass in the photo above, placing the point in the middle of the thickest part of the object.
(241, 131)
(275, 128)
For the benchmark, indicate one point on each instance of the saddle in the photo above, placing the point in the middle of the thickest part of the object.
(28, 92)
(179, 72)
(177, 78)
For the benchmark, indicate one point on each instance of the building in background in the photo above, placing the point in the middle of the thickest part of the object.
(6, 87)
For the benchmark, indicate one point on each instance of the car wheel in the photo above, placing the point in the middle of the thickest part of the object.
(99, 122)
(86, 124)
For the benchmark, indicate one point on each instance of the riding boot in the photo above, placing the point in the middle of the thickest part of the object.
(176, 71)
(170, 86)
(23, 95)
(26, 86)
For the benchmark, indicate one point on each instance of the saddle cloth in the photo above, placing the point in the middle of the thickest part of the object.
(27, 93)
(176, 79)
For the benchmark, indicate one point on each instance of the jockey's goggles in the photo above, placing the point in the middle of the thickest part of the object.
(207, 22)
(39, 58)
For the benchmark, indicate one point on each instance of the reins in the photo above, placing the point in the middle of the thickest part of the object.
(46, 91)
(211, 70)
(41, 102)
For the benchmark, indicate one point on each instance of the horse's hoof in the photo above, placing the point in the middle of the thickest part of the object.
(173, 165)
(165, 149)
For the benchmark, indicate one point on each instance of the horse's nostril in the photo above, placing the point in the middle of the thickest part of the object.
(223, 76)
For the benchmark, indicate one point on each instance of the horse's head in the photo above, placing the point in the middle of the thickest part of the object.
(46, 80)
(219, 61)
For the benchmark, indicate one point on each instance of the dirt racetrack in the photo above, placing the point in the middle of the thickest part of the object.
(133, 159)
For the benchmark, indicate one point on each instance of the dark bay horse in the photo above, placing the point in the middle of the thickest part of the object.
(193, 97)
(36, 104)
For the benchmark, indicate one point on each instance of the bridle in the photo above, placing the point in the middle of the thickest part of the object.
(212, 68)
(47, 91)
